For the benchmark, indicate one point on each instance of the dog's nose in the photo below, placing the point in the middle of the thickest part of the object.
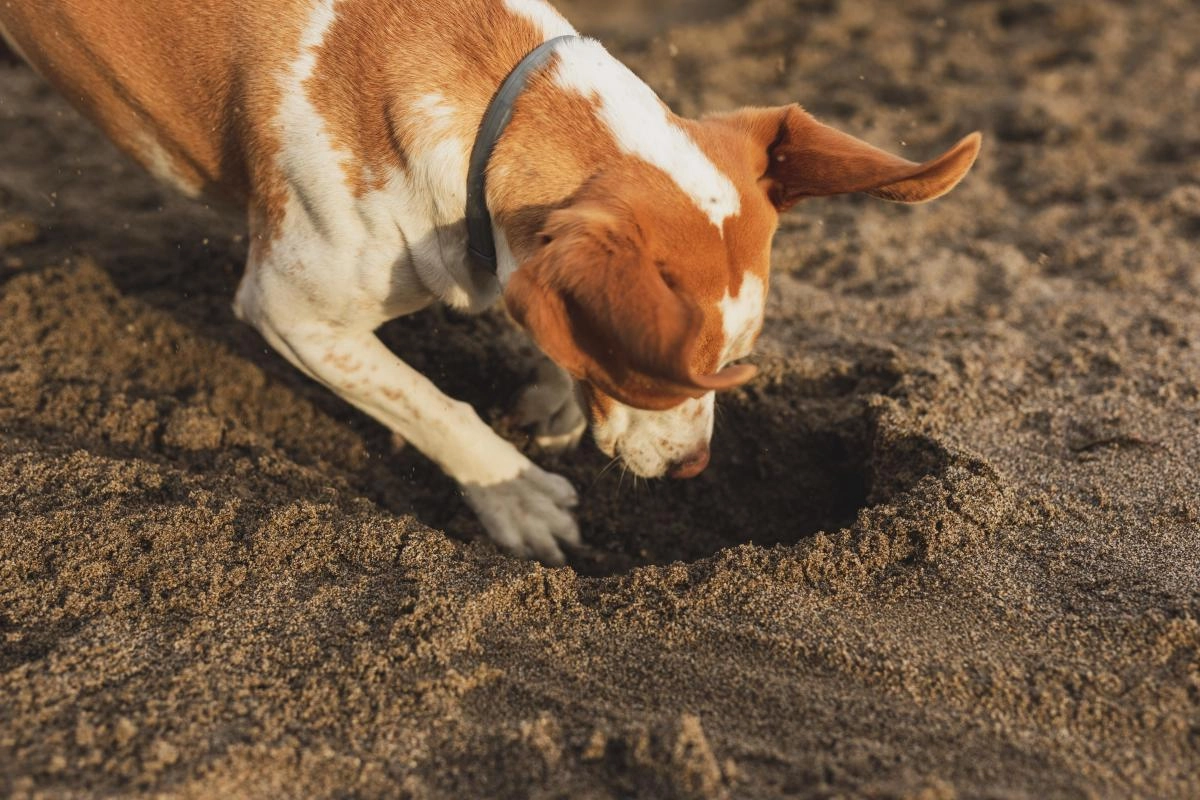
(691, 465)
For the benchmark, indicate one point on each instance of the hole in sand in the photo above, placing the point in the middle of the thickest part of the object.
(786, 465)
(791, 456)
(765, 486)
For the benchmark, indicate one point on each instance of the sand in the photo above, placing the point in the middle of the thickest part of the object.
(949, 545)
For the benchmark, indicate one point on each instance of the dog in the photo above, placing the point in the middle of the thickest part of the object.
(393, 154)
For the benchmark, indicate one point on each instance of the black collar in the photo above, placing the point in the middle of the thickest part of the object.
(481, 242)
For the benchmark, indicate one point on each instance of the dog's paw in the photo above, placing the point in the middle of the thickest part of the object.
(549, 407)
(529, 515)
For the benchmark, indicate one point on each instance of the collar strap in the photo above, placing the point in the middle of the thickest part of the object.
(481, 242)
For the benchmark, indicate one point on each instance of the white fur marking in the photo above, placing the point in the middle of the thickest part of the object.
(415, 218)
(741, 317)
(649, 442)
(638, 122)
(506, 262)
(159, 163)
(308, 158)
(438, 171)
(543, 15)
(442, 157)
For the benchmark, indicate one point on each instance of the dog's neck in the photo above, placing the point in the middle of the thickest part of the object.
(480, 237)
(578, 114)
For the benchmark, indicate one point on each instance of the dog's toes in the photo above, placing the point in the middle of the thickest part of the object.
(544, 548)
(563, 527)
(529, 515)
(506, 535)
(558, 488)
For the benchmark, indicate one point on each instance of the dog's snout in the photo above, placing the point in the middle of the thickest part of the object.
(691, 465)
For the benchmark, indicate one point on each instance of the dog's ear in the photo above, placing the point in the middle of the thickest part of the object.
(809, 159)
(599, 307)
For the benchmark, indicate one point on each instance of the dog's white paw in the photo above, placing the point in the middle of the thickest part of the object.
(549, 406)
(529, 515)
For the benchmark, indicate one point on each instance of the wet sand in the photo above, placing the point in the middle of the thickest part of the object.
(949, 545)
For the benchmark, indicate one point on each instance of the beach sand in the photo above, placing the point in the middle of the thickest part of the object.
(949, 544)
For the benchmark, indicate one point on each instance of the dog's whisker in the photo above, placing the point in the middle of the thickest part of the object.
(604, 471)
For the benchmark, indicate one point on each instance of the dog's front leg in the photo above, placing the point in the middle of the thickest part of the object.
(550, 408)
(524, 508)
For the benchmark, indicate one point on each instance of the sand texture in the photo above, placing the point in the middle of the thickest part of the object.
(949, 545)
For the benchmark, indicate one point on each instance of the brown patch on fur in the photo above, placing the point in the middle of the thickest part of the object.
(172, 92)
(573, 162)
(607, 301)
(559, 154)
(555, 144)
(589, 299)
(599, 405)
(343, 361)
(199, 78)
(379, 59)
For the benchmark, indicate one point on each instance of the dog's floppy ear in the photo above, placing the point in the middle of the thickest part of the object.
(809, 159)
(599, 307)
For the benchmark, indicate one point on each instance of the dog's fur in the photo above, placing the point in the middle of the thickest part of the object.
(634, 245)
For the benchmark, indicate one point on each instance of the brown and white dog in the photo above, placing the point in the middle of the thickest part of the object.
(633, 244)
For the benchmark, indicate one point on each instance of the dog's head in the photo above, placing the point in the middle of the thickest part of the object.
(647, 297)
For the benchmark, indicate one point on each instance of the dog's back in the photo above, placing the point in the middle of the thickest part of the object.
(195, 89)
(164, 85)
